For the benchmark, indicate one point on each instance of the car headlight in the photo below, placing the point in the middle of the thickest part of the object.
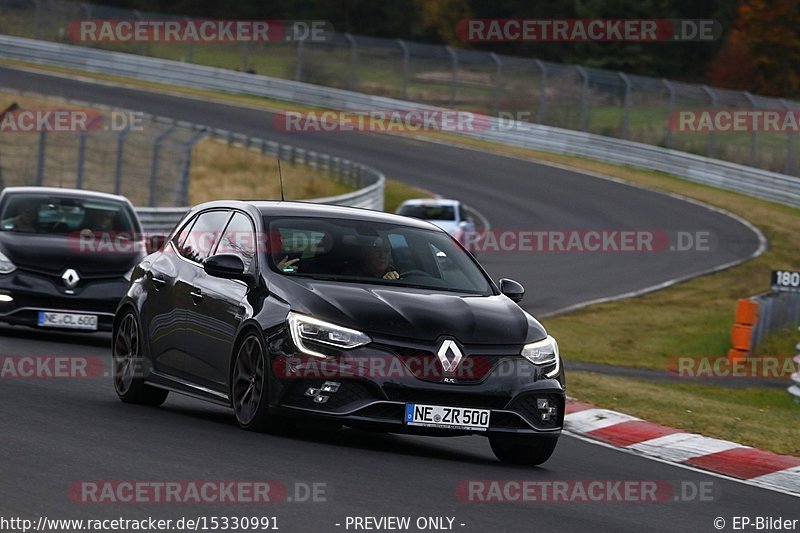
(6, 266)
(305, 328)
(543, 353)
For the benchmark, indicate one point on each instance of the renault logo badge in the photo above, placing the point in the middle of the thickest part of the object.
(71, 278)
(449, 364)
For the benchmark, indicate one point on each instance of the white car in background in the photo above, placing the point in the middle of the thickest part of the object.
(447, 214)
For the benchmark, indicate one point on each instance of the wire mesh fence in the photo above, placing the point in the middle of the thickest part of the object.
(148, 161)
(598, 101)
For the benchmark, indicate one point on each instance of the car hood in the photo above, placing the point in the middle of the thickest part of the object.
(52, 254)
(416, 314)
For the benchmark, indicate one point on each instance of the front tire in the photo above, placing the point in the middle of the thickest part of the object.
(522, 449)
(249, 385)
(126, 364)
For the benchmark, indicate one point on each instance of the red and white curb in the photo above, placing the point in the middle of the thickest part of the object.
(757, 467)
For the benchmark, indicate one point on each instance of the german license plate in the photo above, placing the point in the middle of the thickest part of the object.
(436, 416)
(67, 320)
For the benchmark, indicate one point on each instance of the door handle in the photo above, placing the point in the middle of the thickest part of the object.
(197, 296)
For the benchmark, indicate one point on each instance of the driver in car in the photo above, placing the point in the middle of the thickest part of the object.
(25, 219)
(376, 261)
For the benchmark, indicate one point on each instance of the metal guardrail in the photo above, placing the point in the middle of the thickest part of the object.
(759, 183)
(370, 195)
(776, 310)
(606, 102)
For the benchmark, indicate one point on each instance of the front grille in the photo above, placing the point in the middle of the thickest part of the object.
(349, 393)
(453, 399)
(425, 365)
(526, 406)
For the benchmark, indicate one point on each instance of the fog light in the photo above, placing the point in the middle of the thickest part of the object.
(330, 386)
(547, 410)
(4, 298)
(312, 391)
(321, 399)
(542, 403)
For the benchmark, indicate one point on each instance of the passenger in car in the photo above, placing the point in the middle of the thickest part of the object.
(26, 217)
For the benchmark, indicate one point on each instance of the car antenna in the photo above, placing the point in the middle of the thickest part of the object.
(280, 177)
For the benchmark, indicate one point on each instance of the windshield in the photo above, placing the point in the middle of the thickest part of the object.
(63, 215)
(368, 252)
(428, 212)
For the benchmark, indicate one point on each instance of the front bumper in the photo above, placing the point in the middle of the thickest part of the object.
(33, 292)
(510, 389)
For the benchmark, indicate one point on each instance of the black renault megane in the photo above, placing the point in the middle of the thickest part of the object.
(284, 310)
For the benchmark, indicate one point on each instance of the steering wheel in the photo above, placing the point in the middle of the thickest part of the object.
(415, 272)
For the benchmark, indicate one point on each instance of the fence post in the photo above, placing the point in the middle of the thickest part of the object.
(711, 148)
(81, 160)
(183, 189)
(787, 166)
(671, 89)
(626, 105)
(406, 55)
(298, 63)
(245, 56)
(542, 92)
(584, 119)
(154, 165)
(41, 160)
(753, 134)
(454, 75)
(190, 53)
(36, 19)
(118, 165)
(497, 82)
(352, 82)
(143, 46)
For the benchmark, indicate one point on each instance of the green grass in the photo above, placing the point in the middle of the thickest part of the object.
(761, 417)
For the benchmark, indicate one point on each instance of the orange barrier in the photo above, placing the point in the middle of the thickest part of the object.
(741, 334)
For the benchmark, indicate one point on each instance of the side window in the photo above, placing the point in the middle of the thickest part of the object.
(239, 239)
(180, 237)
(200, 241)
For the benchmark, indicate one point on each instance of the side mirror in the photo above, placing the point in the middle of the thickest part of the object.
(512, 289)
(154, 243)
(227, 266)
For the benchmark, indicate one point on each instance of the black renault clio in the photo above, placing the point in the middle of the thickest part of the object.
(283, 310)
(65, 257)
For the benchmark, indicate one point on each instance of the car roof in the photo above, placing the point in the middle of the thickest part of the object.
(76, 193)
(439, 202)
(311, 209)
